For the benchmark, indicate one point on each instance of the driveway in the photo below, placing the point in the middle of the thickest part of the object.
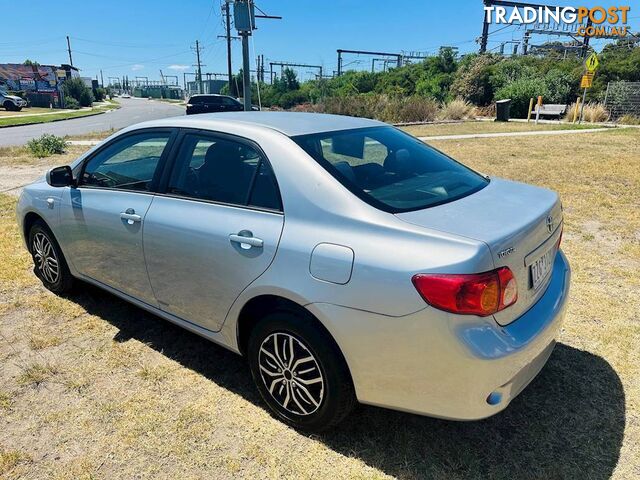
(133, 110)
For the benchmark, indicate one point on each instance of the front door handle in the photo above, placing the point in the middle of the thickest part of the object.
(246, 240)
(130, 216)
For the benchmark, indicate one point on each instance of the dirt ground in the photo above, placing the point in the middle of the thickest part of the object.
(91, 387)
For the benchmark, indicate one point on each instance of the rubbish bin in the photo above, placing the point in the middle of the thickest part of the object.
(502, 110)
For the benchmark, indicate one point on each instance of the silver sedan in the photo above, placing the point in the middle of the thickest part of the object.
(348, 261)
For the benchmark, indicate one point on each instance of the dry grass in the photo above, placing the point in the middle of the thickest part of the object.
(463, 128)
(36, 374)
(593, 113)
(135, 397)
(456, 110)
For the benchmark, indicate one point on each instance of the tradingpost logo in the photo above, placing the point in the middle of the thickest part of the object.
(587, 21)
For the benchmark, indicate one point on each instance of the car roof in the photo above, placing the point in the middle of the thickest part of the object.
(210, 95)
(289, 123)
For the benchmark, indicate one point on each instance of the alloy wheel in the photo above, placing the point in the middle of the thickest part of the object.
(45, 258)
(291, 373)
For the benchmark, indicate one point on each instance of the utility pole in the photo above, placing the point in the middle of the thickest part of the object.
(246, 74)
(199, 66)
(101, 79)
(227, 12)
(244, 21)
(69, 50)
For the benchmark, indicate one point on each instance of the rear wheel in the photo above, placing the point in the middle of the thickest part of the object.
(300, 372)
(50, 265)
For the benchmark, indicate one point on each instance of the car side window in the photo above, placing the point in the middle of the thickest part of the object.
(127, 164)
(229, 102)
(222, 170)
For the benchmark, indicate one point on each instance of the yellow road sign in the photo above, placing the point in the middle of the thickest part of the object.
(591, 63)
(587, 80)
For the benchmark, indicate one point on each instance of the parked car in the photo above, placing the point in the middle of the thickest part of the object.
(125, 95)
(12, 103)
(347, 260)
(213, 103)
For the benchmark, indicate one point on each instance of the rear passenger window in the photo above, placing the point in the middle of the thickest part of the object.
(221, 170)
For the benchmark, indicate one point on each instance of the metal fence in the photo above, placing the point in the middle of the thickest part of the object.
(623, 98)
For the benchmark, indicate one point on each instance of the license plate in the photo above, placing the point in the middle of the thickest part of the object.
(541, 267)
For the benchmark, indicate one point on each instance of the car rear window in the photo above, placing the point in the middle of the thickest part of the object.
(390, 169)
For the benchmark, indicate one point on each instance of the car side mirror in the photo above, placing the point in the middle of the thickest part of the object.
(60, 176)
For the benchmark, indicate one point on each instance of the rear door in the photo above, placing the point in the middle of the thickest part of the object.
(214, 104)
(214, 229)
(103, 218)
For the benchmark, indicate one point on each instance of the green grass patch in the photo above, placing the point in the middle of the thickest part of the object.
(27, 120)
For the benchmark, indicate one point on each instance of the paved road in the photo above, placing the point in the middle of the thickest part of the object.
(133, 110)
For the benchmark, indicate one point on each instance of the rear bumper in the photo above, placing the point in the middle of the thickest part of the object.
(442, 365)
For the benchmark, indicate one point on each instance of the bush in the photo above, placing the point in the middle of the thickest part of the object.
(100, 94)
(76, 88)
(47, 145)
(457, 109)
(410, 109)
(520, 92)
(593, 112)
(86, 98)
(70, 102)
(381, 107)
(294, 97)
(629, 120)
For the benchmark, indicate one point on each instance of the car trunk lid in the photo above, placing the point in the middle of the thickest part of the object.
(521, 224)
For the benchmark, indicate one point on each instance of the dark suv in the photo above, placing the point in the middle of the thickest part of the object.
(213, 103)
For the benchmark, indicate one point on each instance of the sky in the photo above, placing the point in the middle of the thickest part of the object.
(142, 37)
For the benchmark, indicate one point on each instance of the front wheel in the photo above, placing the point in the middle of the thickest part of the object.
(50, 265)
(300, 372)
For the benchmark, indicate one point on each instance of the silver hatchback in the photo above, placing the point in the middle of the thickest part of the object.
(348, 261)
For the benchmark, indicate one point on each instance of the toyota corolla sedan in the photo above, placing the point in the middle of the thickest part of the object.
(347, 260)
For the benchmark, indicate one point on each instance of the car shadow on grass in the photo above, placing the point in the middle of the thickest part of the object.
(568, 423)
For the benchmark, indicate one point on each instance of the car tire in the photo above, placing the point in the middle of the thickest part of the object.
(49, 263)
(300, 372)
(8, 106)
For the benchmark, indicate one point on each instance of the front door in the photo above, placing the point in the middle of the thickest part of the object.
(214, 231)
(103, 218)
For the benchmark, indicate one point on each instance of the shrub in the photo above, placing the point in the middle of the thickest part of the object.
(457, 109)
(76, 88)
(593, 112)
(381, 107)
(70, 102)
(47, 145)
(520, 92)
(473, 79)
(410, 109)
(629, 120)
(294, 97)
(86, 98)
(100, 94)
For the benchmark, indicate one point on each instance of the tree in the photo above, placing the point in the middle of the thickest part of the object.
(30, 63)
(76, 88)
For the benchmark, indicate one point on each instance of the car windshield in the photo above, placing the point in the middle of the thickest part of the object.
(390, 169)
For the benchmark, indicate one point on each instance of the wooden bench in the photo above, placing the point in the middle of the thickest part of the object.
(551, 110)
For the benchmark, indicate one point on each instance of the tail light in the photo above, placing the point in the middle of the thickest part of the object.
(479, 294)
(560, 237)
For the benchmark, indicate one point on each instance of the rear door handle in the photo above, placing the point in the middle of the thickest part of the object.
(246, 240)
(130, 216)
